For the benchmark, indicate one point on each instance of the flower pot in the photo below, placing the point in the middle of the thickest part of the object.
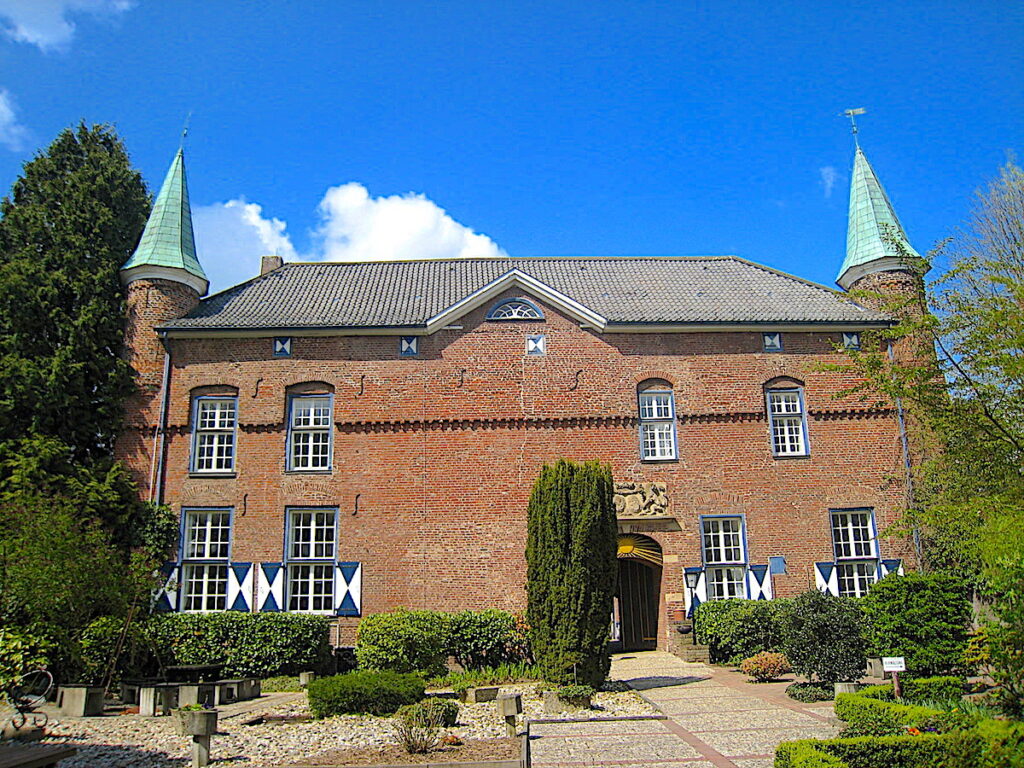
(196, 723)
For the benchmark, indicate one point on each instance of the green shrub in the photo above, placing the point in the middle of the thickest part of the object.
(404, 641)
(805, 754)
(437, 711)
(488, 638)
(765, 666)
(281, 684)
(882, 692)
(21, 651)
(735, 630)
(571, 570)
(823, 637)
(869, 716)
(506, 673)
(107, 637)
(1001, 745)
(932, 689)
(811, 692)
(923, 617)
(374, 693)
(249, 644)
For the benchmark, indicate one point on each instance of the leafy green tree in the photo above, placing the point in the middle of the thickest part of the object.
(71, 220)
(823, 639)
(571, 571)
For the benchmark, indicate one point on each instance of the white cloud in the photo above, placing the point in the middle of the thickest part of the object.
(231, 238)
(357, 227)
(12, 133)
(829, 177)
(46, 23)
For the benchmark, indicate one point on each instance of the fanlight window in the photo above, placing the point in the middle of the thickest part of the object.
(515, 309)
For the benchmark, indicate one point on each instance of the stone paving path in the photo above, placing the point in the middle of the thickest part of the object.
(714, 719)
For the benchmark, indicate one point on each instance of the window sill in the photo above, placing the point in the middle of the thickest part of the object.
(790, 457)
(309, 471)
(674, 459)
(213, 474)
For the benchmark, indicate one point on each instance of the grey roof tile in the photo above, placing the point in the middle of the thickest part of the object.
(714, 289)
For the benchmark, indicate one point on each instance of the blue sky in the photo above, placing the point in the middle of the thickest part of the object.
(366, 129)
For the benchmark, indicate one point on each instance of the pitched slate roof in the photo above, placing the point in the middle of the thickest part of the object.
(873, 224)
(168, 240)
(623, 290)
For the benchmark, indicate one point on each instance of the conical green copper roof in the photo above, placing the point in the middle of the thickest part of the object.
(873, 223)
(168, 240)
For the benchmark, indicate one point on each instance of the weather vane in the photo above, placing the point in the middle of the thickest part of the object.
(852, 114)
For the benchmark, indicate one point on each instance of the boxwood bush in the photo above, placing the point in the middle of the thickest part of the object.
(249, 644)
(923, 617)
(823, 638)
(404, 641)
(488, 638)
(923, 751)
(373, 693)
(735, 630)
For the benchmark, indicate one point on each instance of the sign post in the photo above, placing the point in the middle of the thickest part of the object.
(895, 664)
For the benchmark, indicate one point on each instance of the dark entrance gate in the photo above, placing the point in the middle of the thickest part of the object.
(639, 591)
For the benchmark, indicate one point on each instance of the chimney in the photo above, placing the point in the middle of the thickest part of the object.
(270, 263)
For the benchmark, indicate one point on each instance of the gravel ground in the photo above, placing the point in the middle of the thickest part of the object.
(140, 742)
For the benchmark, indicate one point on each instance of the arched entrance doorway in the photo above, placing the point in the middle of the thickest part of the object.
(639, 591)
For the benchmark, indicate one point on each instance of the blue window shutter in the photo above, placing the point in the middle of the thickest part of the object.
(348, 589)
(891, 567)
(239, 586)
(270, 587)
(825, 578)
(759, 583)
(165, 598)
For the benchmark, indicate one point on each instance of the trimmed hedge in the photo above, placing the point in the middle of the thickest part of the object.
(404, 641)
(922, 689)
(923, 617)
(735, 630)
(249, 644)
(924, 751)
(863, 712)
(373, 693)
(488, 638)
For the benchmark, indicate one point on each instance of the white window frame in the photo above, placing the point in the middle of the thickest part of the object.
(305, 559)
(851, 340)
(312, 431)
(657, 421)
(515, 309)
(772, 341)
(856, 554)
(726, 575)
(207, 564)
(220, 433)
(787, 418)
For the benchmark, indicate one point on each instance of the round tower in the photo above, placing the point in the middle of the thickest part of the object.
(163, 281)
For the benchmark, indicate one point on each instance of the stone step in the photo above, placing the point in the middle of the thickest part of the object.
(695, 653)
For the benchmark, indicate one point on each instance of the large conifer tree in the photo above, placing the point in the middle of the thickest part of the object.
(571, 571)
(71, 220)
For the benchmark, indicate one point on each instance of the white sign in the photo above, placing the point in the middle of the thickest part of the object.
(894, 664)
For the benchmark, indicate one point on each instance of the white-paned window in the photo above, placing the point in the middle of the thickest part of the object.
(205, 559)
(851, 340)
(213, 447)
(309, 433)
(772, 342)
(311, 560)
(515, 309)
(724, 557)
(657, 425)
(787, 421)
(856, 551)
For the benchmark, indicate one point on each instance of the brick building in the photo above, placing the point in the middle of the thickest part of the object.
(348, 438)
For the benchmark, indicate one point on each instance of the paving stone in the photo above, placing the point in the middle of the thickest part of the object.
(754, 762)
(765, 717)
(761, 742)
(694, 706)
(612, 727)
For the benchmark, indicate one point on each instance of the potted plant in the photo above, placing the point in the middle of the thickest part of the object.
(194, 720)
(577, 696)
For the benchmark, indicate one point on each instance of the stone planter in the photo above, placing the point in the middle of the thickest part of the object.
(553, 703)
(195, 723)
(479, 695)
(845, 688)
(875, 667)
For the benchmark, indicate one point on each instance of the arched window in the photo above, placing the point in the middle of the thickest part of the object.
(787, 418)
(515, 309)
(657, 409)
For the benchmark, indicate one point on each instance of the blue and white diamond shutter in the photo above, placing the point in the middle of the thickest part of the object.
(348, 589)
(165, 598)
(270, 587)
(826, 579)
(239, 586)
(891, 566)
(698, 594)
(759, 583)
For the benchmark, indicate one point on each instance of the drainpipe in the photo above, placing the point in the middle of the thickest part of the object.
(905, 443)
(156, 486)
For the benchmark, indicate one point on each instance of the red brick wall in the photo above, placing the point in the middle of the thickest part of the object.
(442, 449)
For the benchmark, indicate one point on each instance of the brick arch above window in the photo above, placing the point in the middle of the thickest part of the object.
(212, 390)
(665, 378)
(646, 385)
(783, 382)
(310, 388)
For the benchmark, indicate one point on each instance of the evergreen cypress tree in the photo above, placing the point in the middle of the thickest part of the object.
(571, 571)
(72, 219)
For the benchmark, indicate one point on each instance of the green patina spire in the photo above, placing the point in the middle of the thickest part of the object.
(872, 228)
(168, 241)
